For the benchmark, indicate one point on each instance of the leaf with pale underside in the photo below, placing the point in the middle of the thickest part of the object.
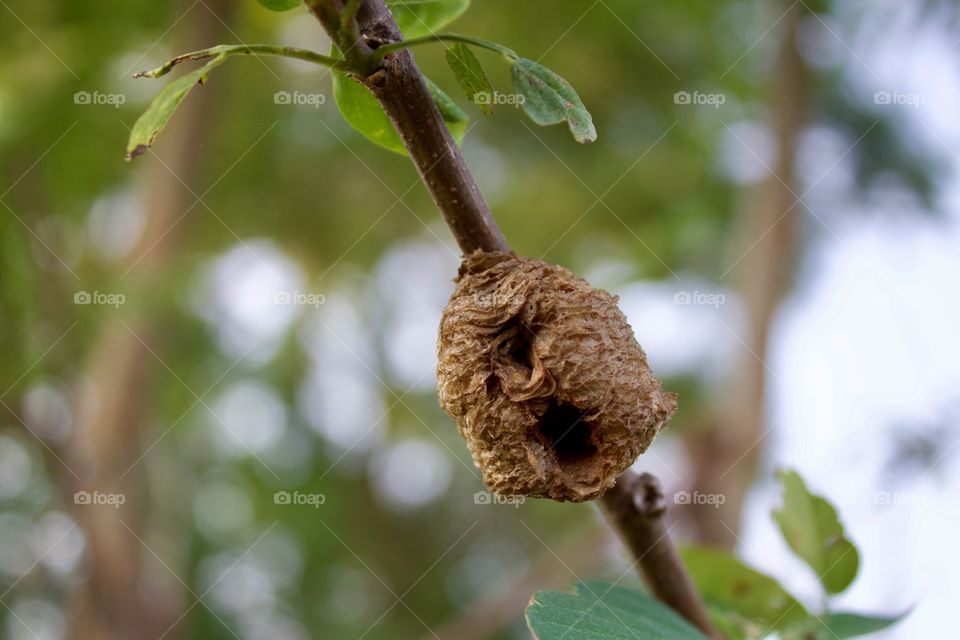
(149, 125)
(549, 99)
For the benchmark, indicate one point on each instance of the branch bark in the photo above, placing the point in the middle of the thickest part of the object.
(402, 92)
(635, 506)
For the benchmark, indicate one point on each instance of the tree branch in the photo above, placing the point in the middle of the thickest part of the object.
(400, 88)
(635, 507)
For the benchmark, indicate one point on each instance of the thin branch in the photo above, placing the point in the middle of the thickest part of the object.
(635, 507)
(387, 49)
(245, 49)
(400, 88)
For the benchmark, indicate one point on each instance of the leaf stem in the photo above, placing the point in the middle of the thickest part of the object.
(225, 50)
(387, 49)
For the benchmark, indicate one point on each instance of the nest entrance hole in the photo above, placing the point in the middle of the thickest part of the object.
(565, 432)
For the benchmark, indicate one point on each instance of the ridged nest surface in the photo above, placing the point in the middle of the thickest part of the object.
(544, 378)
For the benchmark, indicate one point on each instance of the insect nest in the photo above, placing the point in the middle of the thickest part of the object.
(544, 378)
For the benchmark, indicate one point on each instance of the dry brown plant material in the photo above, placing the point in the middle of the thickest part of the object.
(544, 378)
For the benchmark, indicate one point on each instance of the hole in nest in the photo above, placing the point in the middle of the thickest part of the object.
(520, 348)
(567, 434)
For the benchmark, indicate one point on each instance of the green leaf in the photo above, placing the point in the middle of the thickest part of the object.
(149, 125)
(733, 590)
(851, 625)
(279, 5)
(455, 117)
(549, 99)
(422, 17)
(599, 610)
(811, 527)
(362, 111)
(471, 76)
(839, 626)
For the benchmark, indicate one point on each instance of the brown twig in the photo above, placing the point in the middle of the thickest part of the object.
(635, 507)
(400, 88)
(402, 92)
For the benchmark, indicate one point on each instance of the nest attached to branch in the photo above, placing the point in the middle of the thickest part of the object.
(544, 378)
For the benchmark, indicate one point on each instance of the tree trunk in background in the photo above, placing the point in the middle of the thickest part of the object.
(126, 593)
(725, 452)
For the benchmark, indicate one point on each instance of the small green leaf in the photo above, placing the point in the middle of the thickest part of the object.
(840, 626)
(549, 99)
(471, 76)
(851, 625)
(734, 591)
(279, 5)
(455, 117)
(599, 610)
(422, 17)
(149, 125)
(811, 527)
(362, 111)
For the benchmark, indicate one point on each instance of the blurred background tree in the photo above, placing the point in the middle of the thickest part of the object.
(206, 392)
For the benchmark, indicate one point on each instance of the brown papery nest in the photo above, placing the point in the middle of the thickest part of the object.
(544, 378)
